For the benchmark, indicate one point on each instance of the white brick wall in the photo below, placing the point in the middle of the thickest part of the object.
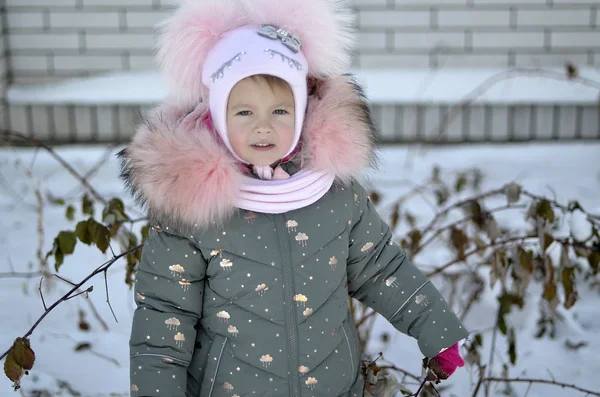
(54, 39)
(478, 33)
(3, 62)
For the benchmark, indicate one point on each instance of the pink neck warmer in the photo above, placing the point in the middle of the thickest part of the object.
(277, 196)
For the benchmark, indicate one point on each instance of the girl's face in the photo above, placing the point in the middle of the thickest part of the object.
(260, 120)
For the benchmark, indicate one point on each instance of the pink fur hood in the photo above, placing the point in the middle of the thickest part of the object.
(176, 167)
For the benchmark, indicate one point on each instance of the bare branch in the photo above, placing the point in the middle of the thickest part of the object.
(64, 279)
(7, 134)
(459, 222)
(92, 171)
(519, 239)
(42, 294)
(492, 349)
(105, 266)
(460, 204)
(107, 296)
(543, 381)
(21, 275)
(591, 217)
(457, 108)
(86, 292)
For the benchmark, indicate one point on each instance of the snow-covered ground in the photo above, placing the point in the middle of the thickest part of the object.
(569, 171)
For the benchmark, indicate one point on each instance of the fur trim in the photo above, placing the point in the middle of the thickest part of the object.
(178, 170)
(185, 39)
(336, 141)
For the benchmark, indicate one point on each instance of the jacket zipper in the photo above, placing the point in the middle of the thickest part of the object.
(212, 386)
(161, 356)
(288, 278)
(350, 351)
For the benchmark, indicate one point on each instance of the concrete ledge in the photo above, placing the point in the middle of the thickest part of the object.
(383, 86)
(408, 106)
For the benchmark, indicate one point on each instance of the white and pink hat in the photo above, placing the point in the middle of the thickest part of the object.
(249, 51)
(208, 46)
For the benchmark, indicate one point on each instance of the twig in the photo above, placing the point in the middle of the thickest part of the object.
(402, 371)
(365, 318)
(100, 269)
(21, 275)
(462, 203)
(88, 349)
(65, 280)
(92, 171)
(591, 217)
(479, 382)
(67, 166)
(89, 301)
(521, 239)
(19, 199)
(107, 296)
(457, 108)
(461, 221)
(42, 294)
(420, 381)
(544, 381)
(492, 350)
(416, 190)
(86, 292)
(40, 232)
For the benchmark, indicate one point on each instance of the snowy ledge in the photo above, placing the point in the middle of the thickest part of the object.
(383, 86)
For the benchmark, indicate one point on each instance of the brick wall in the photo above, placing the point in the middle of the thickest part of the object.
(55, 39)
(3, 61)
(478, 33)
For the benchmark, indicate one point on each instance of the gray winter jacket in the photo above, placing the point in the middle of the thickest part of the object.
(234, 303)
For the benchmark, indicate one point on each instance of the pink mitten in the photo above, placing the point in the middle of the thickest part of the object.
(450, 359)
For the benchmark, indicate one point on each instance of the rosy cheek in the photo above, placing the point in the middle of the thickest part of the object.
(236, 138)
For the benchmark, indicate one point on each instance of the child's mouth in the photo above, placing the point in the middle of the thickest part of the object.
(263, 147)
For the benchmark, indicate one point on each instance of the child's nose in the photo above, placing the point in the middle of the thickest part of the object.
(264, 127)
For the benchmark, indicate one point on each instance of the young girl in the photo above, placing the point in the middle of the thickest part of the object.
(261, 233)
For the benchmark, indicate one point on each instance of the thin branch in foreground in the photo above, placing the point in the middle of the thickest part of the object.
(7, 134)
(65, 280)
(100, 269)
(519, 239)
(543, 381)
(21, 275)
(42, 294)
(107, 295)
(86, 292)
(487, 84)
(461, 221)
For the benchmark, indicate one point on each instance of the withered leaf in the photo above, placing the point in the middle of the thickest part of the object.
(19, 360)
(375, 197)
(568, 283)
(549, 291)
(513, 192)
(395, 216)
(459, 241)
(13, 371)
(544, 210)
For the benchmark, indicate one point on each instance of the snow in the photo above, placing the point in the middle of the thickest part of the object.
(122, 88)
(408, 86)
(566, 170)
(581, 228)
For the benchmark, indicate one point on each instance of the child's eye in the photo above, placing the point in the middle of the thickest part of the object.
(243, 113)
(281, 111)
